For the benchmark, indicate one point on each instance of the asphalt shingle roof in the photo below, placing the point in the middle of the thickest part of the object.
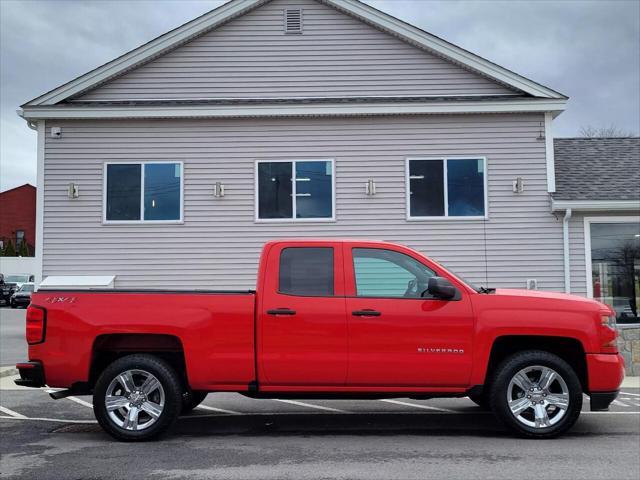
(597, 168)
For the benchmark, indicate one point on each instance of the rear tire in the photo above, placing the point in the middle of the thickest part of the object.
(144, 394)
(536, 394)
(192, 399)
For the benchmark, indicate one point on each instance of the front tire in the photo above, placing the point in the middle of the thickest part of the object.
(137, 398)
(536, 394)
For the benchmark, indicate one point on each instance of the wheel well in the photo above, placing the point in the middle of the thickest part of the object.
(108, 348)
(569, 349)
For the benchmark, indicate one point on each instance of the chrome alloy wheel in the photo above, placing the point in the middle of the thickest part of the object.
(538, 396)
(134, 400)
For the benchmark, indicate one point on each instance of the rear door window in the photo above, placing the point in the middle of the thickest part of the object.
(307, 271)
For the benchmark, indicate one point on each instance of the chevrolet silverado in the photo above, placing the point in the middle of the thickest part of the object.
(339, 318)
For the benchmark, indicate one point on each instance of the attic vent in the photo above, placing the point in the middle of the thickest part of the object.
(292, 20)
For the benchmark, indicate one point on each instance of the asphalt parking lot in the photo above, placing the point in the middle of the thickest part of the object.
(233, 437)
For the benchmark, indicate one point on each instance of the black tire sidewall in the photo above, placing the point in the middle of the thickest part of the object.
(515, 363)
(167, 377)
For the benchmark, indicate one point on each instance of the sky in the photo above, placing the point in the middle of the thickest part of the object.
(588, 50)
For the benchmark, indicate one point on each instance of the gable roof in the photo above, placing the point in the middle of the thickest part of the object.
(235, 8)
(597, 169)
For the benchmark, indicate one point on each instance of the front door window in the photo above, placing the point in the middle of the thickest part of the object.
(615, 268)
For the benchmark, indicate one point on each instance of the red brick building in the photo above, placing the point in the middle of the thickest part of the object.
(18, 217)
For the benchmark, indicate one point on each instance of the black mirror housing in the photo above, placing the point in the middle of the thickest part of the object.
(440, 287)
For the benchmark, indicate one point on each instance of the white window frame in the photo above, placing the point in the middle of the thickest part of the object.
(587, 242)
(293, 162)
(141, 221)
(446, 216)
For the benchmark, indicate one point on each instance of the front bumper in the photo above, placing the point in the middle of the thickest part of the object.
(31, 375)
(605, 372)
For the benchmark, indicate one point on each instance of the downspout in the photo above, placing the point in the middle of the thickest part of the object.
(567, 260)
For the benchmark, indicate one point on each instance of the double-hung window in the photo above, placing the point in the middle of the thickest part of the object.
(295, 190)
(143, 192)
(446, 188)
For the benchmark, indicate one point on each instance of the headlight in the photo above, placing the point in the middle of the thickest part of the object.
(609, 320)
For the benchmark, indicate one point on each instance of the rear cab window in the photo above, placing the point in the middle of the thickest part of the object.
(307, 271)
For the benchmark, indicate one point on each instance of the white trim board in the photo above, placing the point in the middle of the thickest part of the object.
(40, 203)
(549, 152)
(235, 8)
(293, 110)
(587, 241)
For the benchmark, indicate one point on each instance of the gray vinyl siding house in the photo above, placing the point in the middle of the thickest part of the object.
(355, 88)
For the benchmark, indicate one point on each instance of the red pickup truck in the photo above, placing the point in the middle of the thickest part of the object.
(340, 318)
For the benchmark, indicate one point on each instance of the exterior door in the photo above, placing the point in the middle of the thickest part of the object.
(303, 328)
(396, 336)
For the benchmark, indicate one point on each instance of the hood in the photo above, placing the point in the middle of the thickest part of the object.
(508, 292)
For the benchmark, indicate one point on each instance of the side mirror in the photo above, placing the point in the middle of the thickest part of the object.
(442, 288)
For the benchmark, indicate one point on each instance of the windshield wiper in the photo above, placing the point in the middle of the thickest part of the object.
(486, 290)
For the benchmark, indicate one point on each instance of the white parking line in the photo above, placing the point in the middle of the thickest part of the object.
(44, 419)
(221, 410)
(80, 402)
(11, 413)
(632, 394)
(308, 405)
(414, 405)
(618, 402)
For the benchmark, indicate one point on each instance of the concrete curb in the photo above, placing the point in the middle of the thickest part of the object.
(631, 382)
(8, 371)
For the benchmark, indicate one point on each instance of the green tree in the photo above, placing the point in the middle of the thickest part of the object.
(9, 249)
(23, 250)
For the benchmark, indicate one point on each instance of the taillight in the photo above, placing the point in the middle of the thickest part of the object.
(36, 324)
(608, 333)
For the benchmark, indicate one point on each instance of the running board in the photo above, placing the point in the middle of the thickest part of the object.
(80, 388)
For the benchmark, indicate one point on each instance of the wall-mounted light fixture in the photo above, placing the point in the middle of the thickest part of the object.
(73, 191)
(56, 132)
(518, 185)
(370, 187)
(218, 190)
(541, 135)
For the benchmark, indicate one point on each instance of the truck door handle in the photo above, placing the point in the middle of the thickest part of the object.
(281, 311)
(366, 313)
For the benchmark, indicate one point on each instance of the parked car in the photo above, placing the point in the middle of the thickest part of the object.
(22, 296)
(11, 283)
(329, 317)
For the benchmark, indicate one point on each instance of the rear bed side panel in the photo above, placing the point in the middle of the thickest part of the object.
(216, 332)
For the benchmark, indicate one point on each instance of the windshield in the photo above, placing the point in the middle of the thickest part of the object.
(16, 278)
(477, 288)
(27, 287)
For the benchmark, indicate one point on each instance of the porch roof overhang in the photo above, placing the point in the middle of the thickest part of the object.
(595, 205)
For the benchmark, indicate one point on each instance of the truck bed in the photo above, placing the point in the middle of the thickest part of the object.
(214, 329)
